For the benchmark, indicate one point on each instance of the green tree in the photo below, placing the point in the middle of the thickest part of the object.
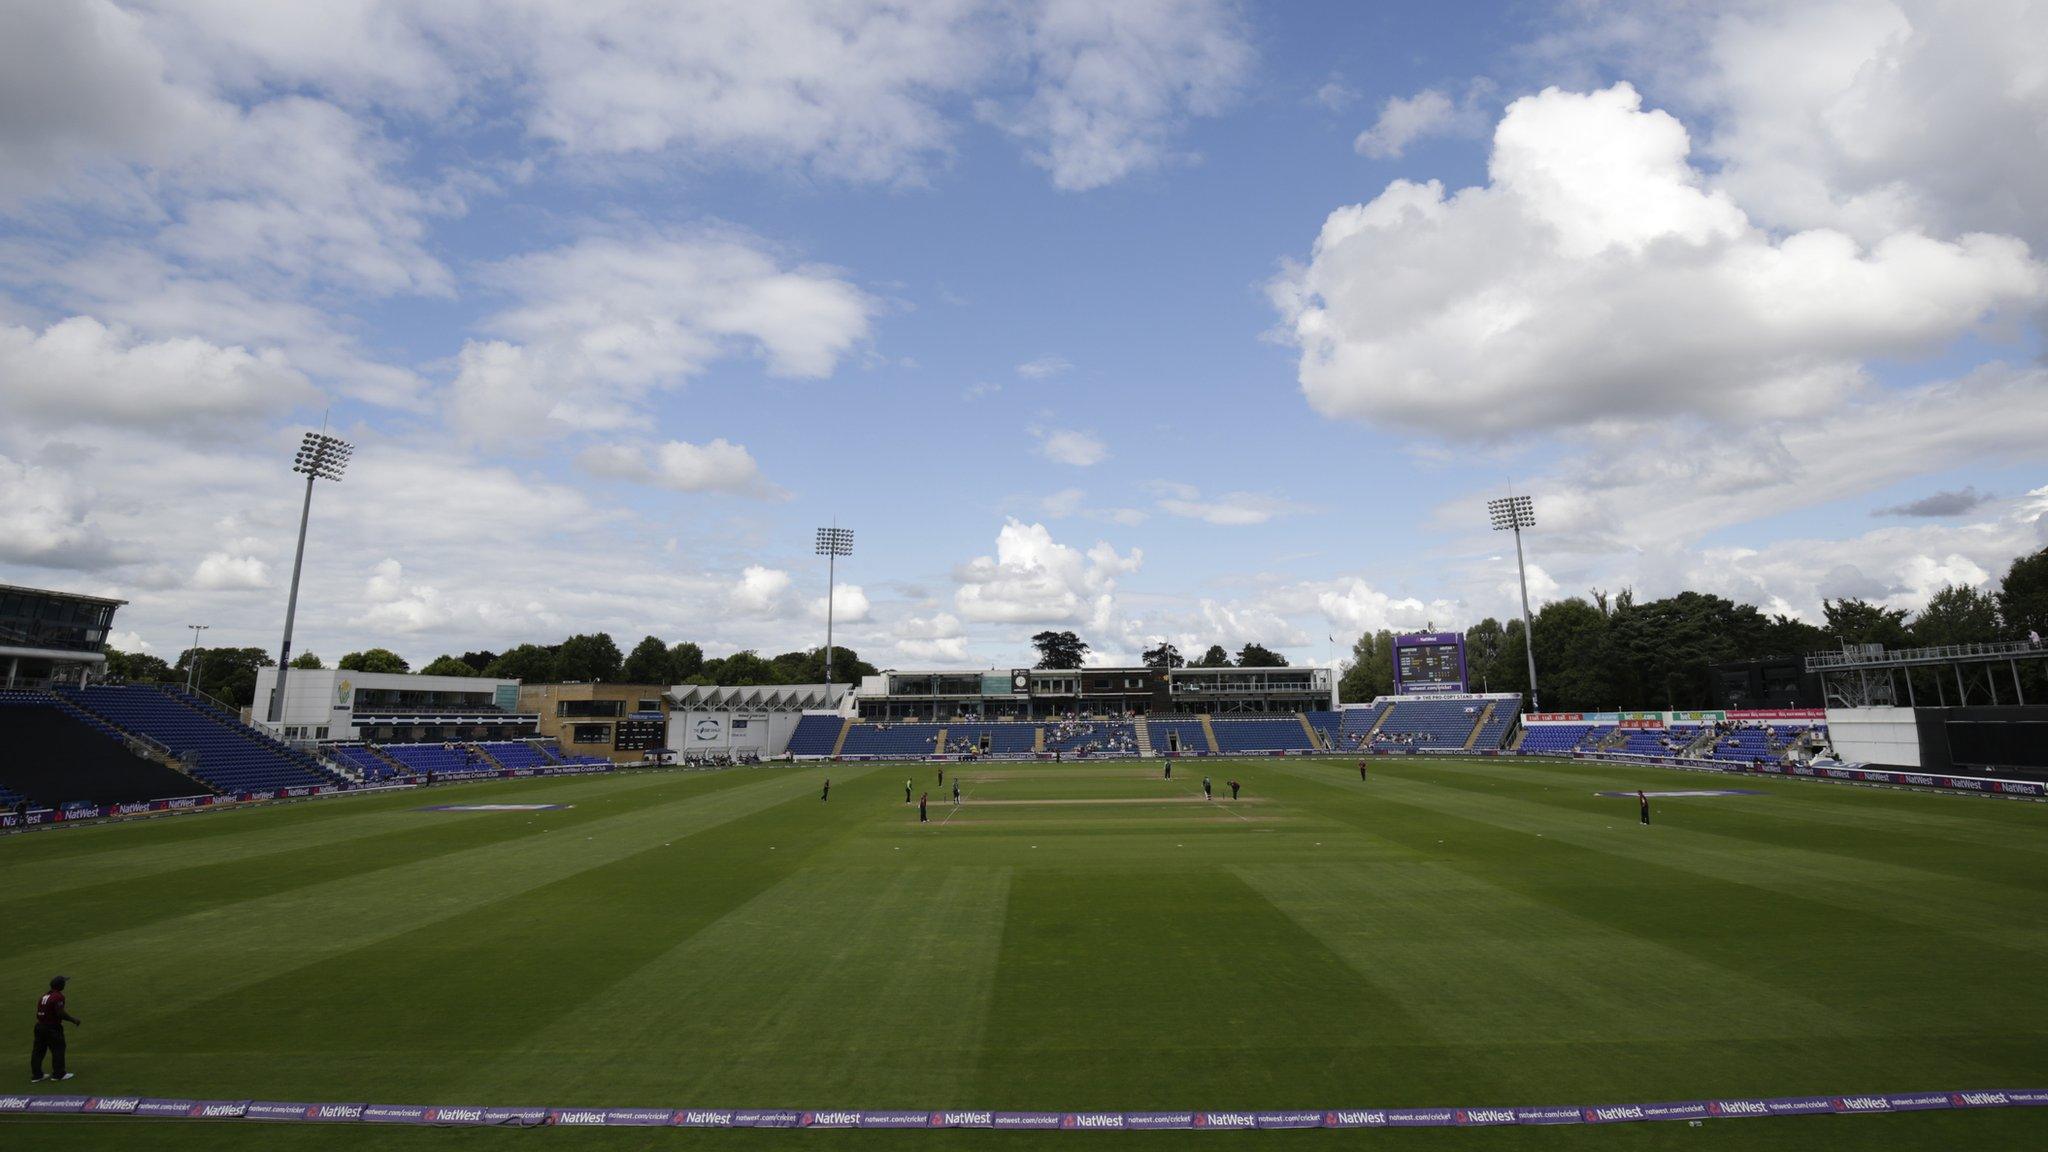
(808, 666)
(479, 660)
(1215, 657)
(1483, 644)
(648, 663)
(1659, 653)
(1259, 656)
(739, 670)
(588, 657)
(227, 673)
(1571, 642)
(138, 667)
(1958, 614)
(1856, 621)
(684, 661)
(1163, 656)
(1059, 649)
(2023, 597)
(374, 660)
(309, 661)
(1371, 672)
(448, 666)
(528, 663)
(1789, 636)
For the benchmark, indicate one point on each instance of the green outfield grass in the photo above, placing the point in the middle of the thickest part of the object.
(1073, 937)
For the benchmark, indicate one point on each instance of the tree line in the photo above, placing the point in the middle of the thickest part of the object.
(1601, 652)
(1068, 650)
(229, 674)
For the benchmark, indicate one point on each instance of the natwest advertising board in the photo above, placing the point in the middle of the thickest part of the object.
(1777, 714)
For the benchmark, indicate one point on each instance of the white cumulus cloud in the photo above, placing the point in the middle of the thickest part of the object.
(1597, 276)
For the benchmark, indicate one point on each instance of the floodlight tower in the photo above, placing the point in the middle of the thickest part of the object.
(1513, 514)
(192, 666)
(321, 457)
(833, 543)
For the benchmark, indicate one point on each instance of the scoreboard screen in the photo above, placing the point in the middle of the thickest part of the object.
(1429, 662)
(640, 732)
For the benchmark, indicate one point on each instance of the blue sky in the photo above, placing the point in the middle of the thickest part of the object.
(1181, 319)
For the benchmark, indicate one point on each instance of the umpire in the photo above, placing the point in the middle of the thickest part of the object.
(50, 1018)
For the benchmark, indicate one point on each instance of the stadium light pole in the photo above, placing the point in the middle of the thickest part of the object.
(192, 665)
(321, 457)
(833, 543)
(1512, 514)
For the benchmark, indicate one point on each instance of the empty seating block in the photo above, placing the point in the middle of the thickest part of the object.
(1180, 736)
(231, 755)
(815, 735)
(517, 754)
(1278, 734)
(891, 740)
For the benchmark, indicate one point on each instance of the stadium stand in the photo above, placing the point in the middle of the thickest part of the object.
(516, 754)
(55, 758)
(1283, 734)
(1093, 737)
(231, 756)
(1541, 738)
(891, 740)
(1493, 733)
(815, 735)
(1003, 739)
(1421, 722)
(1356, 724)
(1327, 725)
(364, 762)
(440, 759)
(1192, 741)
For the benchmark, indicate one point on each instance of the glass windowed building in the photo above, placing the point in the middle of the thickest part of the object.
(50, 636)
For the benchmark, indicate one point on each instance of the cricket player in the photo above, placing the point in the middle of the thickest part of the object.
(50, 1020)
(827, 793)
(1205, 789)
(1643, 802)
(922, 798)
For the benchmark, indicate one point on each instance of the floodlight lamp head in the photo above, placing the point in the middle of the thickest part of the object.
(835, 542)
(322, 456)
(1511, 513)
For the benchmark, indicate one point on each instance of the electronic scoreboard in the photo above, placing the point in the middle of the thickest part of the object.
(1429, 662)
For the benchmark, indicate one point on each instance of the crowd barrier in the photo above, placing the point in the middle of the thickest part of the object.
(76, 812)
(1989, 785)
(476, 1116)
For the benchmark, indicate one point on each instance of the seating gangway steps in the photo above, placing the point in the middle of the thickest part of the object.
(1144, 738)
(1315, 740)
(1485, 714)
(1209, 734)
(845, 726)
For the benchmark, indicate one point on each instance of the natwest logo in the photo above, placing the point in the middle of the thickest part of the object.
(696, 1118)
(1862, 1104)
(831, 1119)
(1225, 1120)
(1604, 1115)
(456, 1115)
(335, 1112)
(962, 1119)
(1368, 1119)
(1486, 1116)
(1980, 1099)
(576, 1116)
(113, 1104)
(1094, 1120)
(1739, 1108)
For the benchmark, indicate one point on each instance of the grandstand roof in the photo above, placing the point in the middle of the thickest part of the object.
(758, 697)
(5, 588)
